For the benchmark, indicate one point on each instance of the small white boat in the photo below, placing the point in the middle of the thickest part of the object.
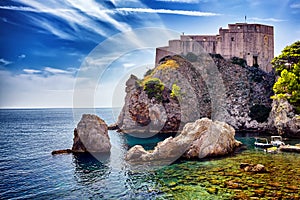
(262, 143)
(276, 141)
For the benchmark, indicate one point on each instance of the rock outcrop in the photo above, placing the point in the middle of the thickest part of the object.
(91, 135)
(256, 168)
(200, 139)
(214, 88)
(283, 120)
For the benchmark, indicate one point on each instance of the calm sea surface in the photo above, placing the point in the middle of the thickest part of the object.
(29, 171)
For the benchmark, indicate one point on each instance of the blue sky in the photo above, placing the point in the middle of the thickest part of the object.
(46, 45)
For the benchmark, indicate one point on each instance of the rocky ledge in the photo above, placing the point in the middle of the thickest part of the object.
(200, 139)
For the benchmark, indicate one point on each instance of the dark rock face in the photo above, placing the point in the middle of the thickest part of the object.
(245, 89)
(91, 135)
(283, 120)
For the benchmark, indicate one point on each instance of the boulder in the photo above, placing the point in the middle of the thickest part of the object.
(283, 120)
(200, 139)
(91, 135)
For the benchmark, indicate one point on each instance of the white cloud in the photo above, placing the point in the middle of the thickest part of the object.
(267, 19)
(167, 11)
(96, 10)
(181, 1)
(295, 5)
(31, 71)
(56, 71)
(4, 62)
(77, 14)
(128, 65)
(22, 56)
(36, 90)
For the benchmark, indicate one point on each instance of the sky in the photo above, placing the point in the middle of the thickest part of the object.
(79, 53)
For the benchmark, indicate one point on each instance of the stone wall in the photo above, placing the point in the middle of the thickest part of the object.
(252, 42)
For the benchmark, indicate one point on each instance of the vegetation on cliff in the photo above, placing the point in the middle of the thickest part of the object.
(176, 91)
(287, 66)
(154, 87)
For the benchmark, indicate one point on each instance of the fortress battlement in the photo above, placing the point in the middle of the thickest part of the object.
(252, 42)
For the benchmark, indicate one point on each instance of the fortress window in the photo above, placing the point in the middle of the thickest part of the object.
(248, 53)
(255, 61)
(266, 40)
(232, 38)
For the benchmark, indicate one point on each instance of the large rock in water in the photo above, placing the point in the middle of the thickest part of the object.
(91, 135)
(200, 139)
(283, 120)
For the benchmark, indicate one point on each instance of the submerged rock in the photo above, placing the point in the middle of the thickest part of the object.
(256, 168)
(200, 139)
(91, 135)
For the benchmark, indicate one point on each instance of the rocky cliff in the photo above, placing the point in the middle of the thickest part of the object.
(283, 120)
(179, 91)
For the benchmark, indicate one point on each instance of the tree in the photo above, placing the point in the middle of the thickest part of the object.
(289, 56)
(287, 66)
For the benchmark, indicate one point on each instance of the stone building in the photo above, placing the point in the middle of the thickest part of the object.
(252, 42)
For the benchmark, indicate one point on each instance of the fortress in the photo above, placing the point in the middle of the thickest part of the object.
(252, 42)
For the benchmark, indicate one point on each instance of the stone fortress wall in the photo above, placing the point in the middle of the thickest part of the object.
(252, 42)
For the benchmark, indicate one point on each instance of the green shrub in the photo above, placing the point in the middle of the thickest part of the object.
(176, 91)
(154, 87)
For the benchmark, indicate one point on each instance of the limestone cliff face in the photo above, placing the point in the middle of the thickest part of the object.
(236, 94)
(283, 120)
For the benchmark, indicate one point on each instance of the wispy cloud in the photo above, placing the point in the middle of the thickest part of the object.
(128, 65)
(180, 1)
(295, 5)
(76, 14)
(31, 71)
(4, 62)
(266, 19)
(56, 71)
(167, 11)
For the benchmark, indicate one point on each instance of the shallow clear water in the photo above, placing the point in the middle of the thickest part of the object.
(28, 170)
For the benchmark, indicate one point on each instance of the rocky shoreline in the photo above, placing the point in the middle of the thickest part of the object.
(177, 98)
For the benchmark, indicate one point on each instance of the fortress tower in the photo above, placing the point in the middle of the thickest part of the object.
(252, 42)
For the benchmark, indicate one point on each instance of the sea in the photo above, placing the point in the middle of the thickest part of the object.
(29, 171)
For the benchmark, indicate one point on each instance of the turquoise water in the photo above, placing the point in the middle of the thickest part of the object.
(29, 171)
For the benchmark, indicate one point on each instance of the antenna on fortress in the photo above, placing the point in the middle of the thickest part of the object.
(245, 19)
